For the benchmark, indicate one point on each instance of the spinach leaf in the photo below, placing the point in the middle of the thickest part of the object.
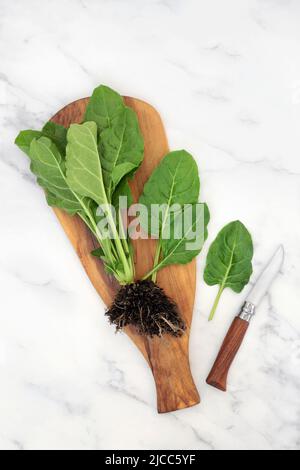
(174, 184)
(174, 181)
(104, 105)
(121, 149)
(123, 190)
(229, 260)
(121, 145)
(49, 167)
(176, 250)
(58, 135)
(24, 139)
(55, 132)
(84, 173)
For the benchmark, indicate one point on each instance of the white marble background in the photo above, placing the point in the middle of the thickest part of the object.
(225, 77)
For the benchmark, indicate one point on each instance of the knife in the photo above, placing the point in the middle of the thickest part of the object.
(236, 333)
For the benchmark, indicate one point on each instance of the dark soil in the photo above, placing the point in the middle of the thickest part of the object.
(146, 306)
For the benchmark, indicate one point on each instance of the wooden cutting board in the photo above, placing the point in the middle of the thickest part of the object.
(168, 357)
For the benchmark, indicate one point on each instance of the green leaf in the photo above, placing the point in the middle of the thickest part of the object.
(98, 253)
(121, 143)
(229, 260)
(55, 132)
(122, 190)
(183, 249)
(84, 173)
(48, 165)
(24, 139)
(58, 135)
(172, 185)
(104, 105)
(174, 181)
(121, 149)
(46, 162)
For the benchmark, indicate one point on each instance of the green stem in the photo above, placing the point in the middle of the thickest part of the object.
(90, 222)
(216, 302)
(126, 247)
(119, 247)
(156, 260)
(106, 245)
(123, 235)
(153, 270)
(114, 250)
(156, 264)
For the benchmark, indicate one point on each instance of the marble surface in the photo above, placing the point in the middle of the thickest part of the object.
(225, 77)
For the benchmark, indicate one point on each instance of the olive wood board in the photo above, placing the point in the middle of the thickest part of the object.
(168, 356)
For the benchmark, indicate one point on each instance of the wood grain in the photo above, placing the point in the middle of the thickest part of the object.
(168, 357)
(233, 340)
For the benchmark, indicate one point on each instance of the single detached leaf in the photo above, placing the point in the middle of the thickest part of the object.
(84, 173)
(229, 260)
(174, 181)
(190, 236)
(48, 165)
(104, 105)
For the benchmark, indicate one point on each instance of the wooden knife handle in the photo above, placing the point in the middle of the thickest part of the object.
(233, 340)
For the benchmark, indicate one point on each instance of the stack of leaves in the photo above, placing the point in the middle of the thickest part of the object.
(88, 166)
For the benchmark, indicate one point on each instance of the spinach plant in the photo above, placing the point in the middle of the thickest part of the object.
(229, 260)
(87, 167)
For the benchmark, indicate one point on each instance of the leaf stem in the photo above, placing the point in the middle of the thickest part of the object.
(216, 302)
(153, 270)
(156, 260)
(119, 247)
(123, 235)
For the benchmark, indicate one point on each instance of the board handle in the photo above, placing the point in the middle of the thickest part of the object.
(233, 340)
(170, 366)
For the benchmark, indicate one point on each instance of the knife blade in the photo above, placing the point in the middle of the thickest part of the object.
(237, 331)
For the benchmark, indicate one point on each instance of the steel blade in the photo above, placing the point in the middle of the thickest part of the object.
(266, 277)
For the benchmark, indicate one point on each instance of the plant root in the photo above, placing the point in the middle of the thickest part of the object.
(145, 306)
